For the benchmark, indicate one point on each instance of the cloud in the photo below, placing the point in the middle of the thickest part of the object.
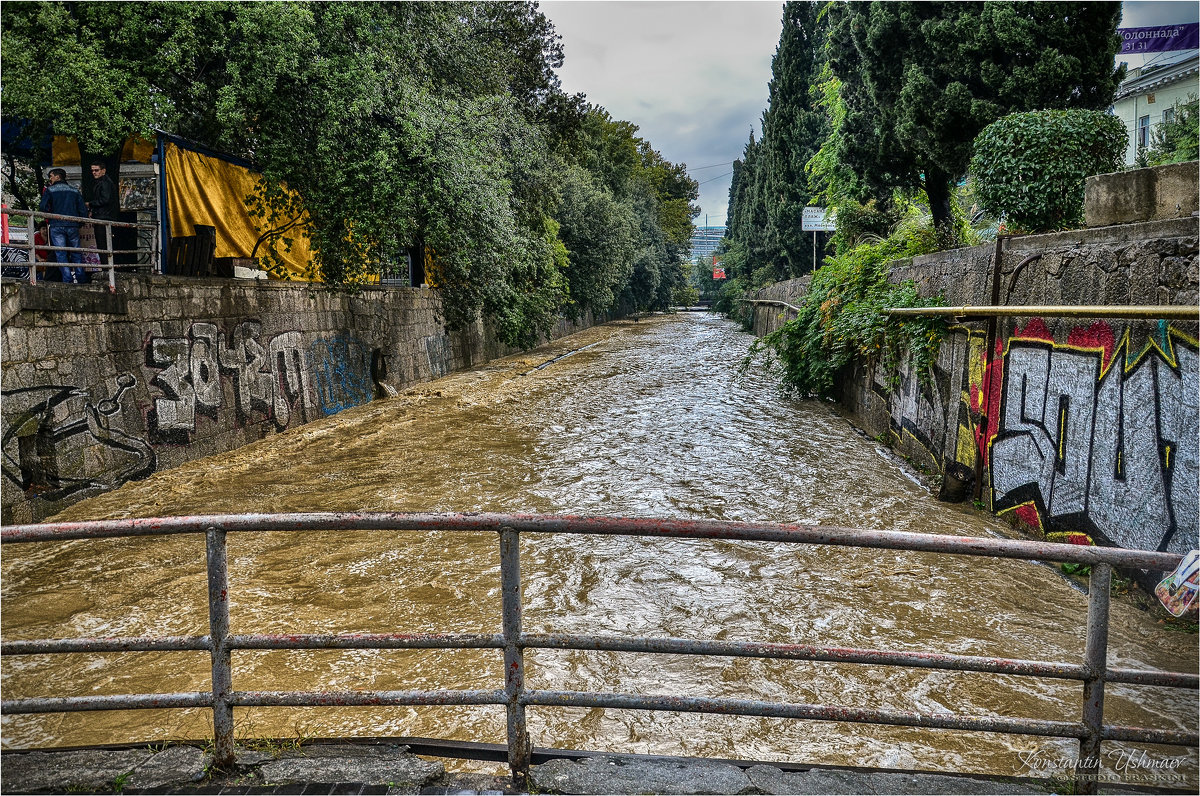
(691, 75)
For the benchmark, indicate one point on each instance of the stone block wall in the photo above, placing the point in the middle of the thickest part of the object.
(102, 388)
(1065, 423)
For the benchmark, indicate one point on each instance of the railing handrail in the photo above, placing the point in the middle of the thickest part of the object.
(10, 212)
(31, 247)
(1093, 672)
(622, 526)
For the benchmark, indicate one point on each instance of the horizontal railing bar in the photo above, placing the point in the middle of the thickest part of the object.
(116, 644)
(1148, 312)
(299, 641)
(791, 307)
(943, 721)
(747, 707)
(1144, 735)
(920, 660)
(13, 213)
(191, 699)
(616, 526)
(264, 699)
(1151, 677)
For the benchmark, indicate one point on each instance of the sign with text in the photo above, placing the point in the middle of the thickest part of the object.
(818, 219)
(718, 273)
(1161, 38)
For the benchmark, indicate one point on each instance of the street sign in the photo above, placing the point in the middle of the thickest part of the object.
(818, 219)
(718, 273)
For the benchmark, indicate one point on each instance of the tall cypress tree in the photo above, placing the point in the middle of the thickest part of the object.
(793, 129)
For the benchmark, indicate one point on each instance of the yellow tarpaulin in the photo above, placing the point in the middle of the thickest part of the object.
(207, 190)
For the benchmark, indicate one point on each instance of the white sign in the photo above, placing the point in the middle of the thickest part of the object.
(818, 219)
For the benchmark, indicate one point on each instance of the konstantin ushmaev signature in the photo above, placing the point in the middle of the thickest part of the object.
(1129, 765)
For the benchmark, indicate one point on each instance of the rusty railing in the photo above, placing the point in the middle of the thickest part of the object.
(1090, 730)
(106, 254)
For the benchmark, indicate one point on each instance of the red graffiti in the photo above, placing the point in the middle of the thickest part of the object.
(1027, 514)
(1098, 336)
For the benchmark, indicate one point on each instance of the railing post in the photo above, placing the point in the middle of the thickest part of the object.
(222, 671)
(31, 247)
(112, 264)
(1087, 772)
(514, 658)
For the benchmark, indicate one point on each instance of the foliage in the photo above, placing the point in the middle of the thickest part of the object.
(1177, 140)
(921, 80)
(1032, 166)
(380, 129)
(769, 190)
(842, 319)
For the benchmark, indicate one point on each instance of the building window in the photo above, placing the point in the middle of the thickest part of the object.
(1143, 132)
(1168, 115)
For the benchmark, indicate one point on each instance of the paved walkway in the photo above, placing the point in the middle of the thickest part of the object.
(386, 768)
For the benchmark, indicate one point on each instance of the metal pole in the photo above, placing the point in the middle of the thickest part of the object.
(222, 669)
(1087, 772)
(30, 230)
(514, 663)
(1177, 312)
(112, 265)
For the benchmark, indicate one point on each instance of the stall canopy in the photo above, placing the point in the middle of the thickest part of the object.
(209, 188)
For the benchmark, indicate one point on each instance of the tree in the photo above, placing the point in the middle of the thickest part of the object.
(1178, 139)
(921, 80)
(793, 130)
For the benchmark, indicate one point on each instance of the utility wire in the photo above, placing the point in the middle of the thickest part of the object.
(726, 174)
(713, 166)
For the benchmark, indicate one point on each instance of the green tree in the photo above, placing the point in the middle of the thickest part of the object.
(921, 80)
(1177, 140)
(793, 130)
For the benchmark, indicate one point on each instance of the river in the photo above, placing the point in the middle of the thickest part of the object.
(650, 419)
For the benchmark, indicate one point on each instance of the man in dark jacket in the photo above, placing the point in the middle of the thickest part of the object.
(62, 199)
(104, 204)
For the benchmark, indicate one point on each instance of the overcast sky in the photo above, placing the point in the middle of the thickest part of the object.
(693, 75)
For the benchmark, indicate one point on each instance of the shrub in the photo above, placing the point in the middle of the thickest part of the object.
(1032, 166)
(842, 318)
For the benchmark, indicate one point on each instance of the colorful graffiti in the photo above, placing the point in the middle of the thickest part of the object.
(1099, 433)
(46, 431)
(281, 380)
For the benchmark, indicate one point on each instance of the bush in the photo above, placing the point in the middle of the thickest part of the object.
(1032, 166)
(842, 318)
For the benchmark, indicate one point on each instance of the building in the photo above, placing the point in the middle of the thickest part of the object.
(1148, 96)
(705, 240)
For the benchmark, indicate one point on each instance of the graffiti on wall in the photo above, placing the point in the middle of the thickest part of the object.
(281, 379)
(1099, 433)
(48, 432)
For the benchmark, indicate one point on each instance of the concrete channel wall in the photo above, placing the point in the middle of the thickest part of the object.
(1066, 424)
(102, 388)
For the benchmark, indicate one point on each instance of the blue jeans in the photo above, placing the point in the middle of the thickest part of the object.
(68, 236)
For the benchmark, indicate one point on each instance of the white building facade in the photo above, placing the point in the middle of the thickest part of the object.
(1148, 97)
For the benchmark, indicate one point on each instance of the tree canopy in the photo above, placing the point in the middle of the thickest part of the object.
(392, 125)
(921, 80)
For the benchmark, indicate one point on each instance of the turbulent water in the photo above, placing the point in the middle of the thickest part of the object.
(646, 419)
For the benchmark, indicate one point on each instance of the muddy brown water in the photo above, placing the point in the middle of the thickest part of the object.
(645, 419)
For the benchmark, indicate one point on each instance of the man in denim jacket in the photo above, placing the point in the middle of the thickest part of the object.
(62, 199)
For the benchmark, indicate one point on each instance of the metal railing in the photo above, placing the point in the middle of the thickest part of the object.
(1093, 671)
(1172, 312)
(106, 254)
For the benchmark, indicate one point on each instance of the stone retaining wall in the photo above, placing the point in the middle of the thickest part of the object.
(102, 388)
(1064, 423)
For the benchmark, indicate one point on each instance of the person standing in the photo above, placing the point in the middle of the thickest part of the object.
(61, 198)
(104, 204)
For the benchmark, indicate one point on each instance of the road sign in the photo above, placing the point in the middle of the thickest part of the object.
(818, 219)
(718, 273)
